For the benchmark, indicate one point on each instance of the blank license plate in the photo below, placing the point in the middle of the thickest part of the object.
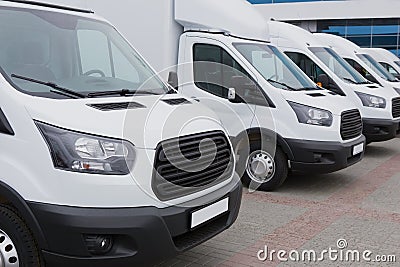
(358, 149)
(207, 213)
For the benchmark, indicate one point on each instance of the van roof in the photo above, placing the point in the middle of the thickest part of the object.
(49, 5)
(343, 46)
(237, 18)
(288, 35)
(381, 53)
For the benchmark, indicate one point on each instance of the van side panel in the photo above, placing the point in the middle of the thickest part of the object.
(152, 29)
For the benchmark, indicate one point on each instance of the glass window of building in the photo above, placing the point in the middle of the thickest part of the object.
(383, 33)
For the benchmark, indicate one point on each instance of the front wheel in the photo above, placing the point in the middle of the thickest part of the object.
(266, 168)
(17, 246)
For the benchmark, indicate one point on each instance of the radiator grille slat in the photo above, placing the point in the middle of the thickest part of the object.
(351, 124)
(396, 107)
(191, 163)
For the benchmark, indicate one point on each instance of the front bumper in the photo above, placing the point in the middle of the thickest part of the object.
(323, 157)
(378, 130)
(142, 236)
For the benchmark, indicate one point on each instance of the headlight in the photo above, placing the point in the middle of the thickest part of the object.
(397, 90)
(371, 100)
(79, 152)
(313, 116)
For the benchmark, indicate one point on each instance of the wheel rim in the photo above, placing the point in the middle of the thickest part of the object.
(8, 251)
(260, 166)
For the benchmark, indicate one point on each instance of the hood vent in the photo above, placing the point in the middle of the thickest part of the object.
(316, 94)
(117, 106)
(373, 87)
(332, 93)
(177, 101)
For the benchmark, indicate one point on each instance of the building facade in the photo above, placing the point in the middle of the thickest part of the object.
(368, 23)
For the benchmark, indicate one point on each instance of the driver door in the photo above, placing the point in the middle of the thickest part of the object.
(208, 78)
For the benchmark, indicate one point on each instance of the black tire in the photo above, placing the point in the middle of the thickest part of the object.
(281, 168)
(21, 237)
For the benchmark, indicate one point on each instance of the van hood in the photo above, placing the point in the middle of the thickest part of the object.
(146, 121)
(322, 99)
(387, 92)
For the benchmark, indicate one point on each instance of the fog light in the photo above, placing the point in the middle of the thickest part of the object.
(99, 244)
(317, 157)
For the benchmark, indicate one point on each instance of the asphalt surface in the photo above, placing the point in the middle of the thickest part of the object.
(355, 211)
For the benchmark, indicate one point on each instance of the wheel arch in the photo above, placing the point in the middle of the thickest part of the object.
(256, 134)
(11, 197)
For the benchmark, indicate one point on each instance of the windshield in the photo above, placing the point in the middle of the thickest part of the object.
(275, 67)
(389, 68)
(377, 68)
(338, 65)
(83, 55)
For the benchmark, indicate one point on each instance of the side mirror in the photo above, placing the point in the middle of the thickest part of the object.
(173, 79)
(232, 94)
(323, 79)
(238, 89)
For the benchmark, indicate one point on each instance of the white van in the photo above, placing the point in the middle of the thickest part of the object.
(219, 51)
(102, 164)
(386, 58)
(360, 60)
(380, 107)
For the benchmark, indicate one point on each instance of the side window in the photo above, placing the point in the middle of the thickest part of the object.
(390, 69)
(312, 70)
(214, 69)
(94, 57)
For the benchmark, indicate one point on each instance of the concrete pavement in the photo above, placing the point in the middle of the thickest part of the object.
(359, 206)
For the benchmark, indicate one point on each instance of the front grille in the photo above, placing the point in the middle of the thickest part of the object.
(351, 125)
(180, 167)
(396, 107)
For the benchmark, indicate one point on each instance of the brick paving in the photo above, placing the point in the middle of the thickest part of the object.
(359, 204)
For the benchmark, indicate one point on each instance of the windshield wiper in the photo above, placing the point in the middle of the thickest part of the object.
(349, 80)
(354, 82)
(121, 92)
(283, 84)
(57, 89)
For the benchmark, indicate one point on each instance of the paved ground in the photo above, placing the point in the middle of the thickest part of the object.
(360, 204)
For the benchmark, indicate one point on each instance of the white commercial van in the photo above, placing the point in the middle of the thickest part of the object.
(386, 58)
(360, 60)
(222, 59)
(380, 107)
(102, 164)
